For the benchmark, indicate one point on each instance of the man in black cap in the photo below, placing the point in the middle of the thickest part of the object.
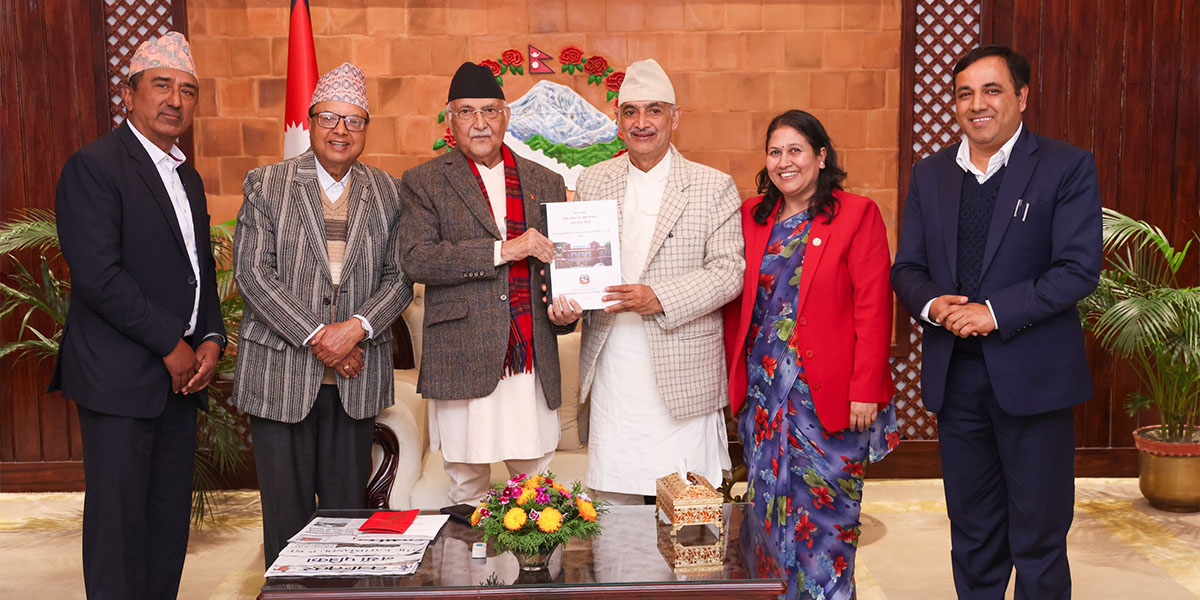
(490, 358)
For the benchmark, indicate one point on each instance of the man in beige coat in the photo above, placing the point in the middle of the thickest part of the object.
(653, 362)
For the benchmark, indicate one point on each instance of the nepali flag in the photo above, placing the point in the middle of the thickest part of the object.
(301, 79)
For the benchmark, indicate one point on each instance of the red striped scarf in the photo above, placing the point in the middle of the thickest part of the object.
(519, 358)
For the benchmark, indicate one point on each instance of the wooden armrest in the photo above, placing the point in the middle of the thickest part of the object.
(380, 487)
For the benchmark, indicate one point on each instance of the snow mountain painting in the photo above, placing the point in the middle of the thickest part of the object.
(555, 127)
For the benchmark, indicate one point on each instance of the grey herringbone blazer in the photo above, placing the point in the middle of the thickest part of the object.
(449, 240)
(694, 266)
(281, 264)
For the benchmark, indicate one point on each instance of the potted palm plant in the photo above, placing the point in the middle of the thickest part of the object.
(1141, 313)
(219, 444)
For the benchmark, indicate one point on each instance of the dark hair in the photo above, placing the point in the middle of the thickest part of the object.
(135, 79)
(1018, 67)
(830, 178)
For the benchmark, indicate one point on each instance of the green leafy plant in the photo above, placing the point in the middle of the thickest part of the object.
(1140, 313)
(220, 447)
(533, 514)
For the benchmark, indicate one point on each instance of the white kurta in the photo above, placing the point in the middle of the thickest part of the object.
(633, 440)
(513, 422)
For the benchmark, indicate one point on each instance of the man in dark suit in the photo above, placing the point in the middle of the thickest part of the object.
(471, 220)
(144, 330)
(317, 260)
(1000, 238)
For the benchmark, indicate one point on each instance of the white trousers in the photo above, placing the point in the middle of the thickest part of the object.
(470, 481)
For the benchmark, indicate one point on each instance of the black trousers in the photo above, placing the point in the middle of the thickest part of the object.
(324, 461)
(1010, 490)
(137, 507)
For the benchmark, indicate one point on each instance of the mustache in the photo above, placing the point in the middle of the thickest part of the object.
(644, 131)
(480, 132)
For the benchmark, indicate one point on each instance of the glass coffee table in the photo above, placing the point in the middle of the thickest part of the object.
(633, 558)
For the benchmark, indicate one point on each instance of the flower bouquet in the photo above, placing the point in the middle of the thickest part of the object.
(531, 515)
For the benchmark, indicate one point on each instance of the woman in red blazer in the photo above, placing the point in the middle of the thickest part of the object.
(807, 345)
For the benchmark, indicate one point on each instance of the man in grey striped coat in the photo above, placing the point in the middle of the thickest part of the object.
(317, 260)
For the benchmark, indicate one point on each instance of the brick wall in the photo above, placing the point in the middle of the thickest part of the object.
(734, 64)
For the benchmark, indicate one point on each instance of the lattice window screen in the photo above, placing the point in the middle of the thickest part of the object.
(944, 30)
(128, 23)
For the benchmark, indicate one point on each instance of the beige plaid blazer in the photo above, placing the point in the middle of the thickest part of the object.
(449, 240)
(281, 265)
(695, 267)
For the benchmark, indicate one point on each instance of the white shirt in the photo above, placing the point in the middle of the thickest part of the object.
(997, 160)
(333, 190)
(633, 439)
(493, 182)
(167, 166)
(639, 215)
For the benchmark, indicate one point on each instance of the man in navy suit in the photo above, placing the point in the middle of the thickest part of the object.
(1000, 238)
(144, 331)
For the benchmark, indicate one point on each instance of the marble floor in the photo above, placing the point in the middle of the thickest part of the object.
(1120, 547)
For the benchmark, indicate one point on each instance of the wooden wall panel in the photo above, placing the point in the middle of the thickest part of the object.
(49, 92)
(1117, 77)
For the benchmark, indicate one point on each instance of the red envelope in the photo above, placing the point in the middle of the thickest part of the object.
(392, 521)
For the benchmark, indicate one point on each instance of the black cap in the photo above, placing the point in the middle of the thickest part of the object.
(474, 81)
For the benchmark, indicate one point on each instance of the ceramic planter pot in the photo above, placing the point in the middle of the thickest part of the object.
(1168, 472)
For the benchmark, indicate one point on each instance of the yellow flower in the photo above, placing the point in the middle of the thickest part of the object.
(533, 482)
(550, 519)
(526, 496)
(515, 518)
(475, 517)
(561, 488)
(587, 511)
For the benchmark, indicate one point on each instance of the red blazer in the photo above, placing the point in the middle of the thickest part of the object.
(844, 314)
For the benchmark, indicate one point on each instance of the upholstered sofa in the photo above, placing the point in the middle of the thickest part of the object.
(418, 479)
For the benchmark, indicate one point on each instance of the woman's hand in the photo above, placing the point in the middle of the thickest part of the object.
(862, 415)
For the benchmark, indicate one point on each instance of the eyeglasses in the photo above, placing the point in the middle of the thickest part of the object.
(329, 120)
(490, 113)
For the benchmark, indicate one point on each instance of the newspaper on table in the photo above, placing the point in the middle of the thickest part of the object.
(330, 546)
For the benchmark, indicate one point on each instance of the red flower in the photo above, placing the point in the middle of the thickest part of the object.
(804, 529)
(853, 467)
(775, 466)
(795, 443)
(512, 56)
(775, 248)
(769, 364)
(893, 440)
(821, 497)
(596, 65)
(840, 565)
(493, 65)
(614, 81)
(766, 281)
(449, 137)
(848, 534)
(794, 345)
(763, 564)
(570, 55)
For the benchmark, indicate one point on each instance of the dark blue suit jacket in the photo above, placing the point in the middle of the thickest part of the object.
(132, 286)
(1041, 258)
